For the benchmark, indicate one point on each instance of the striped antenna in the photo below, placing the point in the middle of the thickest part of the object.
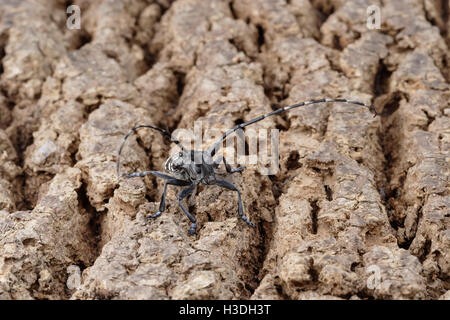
(216, 146)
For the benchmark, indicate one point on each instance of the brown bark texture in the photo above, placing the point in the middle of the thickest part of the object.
(359, 209)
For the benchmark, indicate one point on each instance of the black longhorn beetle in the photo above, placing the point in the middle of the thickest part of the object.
(193, 167)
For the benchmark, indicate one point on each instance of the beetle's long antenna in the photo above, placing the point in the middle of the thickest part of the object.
(164, 132)
(216, 146)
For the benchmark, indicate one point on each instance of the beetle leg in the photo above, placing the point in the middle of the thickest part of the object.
(174, 182)
(183, 194)
(227, 166)
(154, 173)
(230, 186)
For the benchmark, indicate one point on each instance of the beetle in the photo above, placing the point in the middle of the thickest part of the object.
(189, 168)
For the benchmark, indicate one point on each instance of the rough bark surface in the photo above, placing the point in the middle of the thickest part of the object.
(360, 208)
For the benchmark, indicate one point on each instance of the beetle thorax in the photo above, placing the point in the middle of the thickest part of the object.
(175, 166)
(195, 166)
